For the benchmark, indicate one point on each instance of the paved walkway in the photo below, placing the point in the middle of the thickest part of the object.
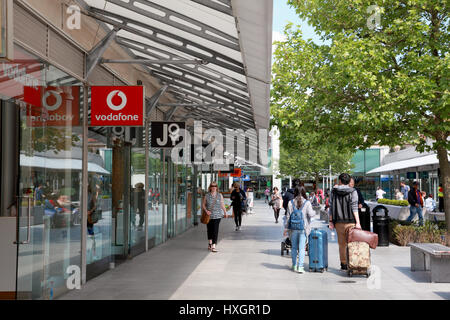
(249, 266)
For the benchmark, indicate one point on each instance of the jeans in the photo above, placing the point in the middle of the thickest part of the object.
(298, 240)
(413, 210)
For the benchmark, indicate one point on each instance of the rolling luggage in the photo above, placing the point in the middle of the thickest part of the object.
(358, 258)
(358, 250)
(318, 250)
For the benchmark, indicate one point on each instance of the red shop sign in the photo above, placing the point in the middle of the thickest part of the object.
(53, 106)
(237, 173)
(117, 106)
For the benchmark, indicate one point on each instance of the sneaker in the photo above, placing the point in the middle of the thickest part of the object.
(301, 270)
(237, 228)
(343, 266)
(294, 268)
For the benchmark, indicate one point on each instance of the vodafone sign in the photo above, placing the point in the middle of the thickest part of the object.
(117, 106)
(53, 106)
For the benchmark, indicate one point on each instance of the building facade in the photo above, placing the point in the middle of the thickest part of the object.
(77, 200)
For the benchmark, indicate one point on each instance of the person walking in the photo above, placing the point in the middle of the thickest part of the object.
(380, 193)
(430, 204)
(343, 214)
(441, 198)
(249, 195)
(237, 197)
(398, 195)
(139, 203)
(361, 201)
(266, 194)
(404, 188)
(288, 196)
(276, 198)
(416, 203)
(313, 199)
(298, 226)
(214, 206)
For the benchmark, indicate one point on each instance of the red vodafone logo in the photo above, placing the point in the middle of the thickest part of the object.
(117, 106)
(53, 106)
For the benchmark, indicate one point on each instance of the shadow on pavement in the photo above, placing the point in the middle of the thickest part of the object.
(445, 295)
(275, 266)
(418, 276)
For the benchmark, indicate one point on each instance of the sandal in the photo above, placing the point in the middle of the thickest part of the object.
(214, 250)
(209, 247)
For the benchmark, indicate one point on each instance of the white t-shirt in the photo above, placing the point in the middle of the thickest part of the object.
(380, 193)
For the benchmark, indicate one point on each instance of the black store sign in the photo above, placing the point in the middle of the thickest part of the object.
(166, 134)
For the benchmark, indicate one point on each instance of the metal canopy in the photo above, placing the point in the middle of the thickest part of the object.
(215, 31)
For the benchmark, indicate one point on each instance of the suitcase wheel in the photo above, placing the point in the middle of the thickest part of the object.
(350, 273)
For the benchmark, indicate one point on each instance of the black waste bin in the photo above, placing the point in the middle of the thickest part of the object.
(364, 217)
(381, 225)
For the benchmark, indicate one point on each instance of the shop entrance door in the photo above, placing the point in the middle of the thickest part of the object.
(48, 200)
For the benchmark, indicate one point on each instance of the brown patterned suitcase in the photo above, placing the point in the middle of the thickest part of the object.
(358, 258)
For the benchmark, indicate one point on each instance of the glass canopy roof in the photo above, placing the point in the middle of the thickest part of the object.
(226, 89)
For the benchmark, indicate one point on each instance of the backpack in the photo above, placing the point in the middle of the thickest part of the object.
(296, 221)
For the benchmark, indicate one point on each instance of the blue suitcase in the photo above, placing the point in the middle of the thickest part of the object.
(318, 250)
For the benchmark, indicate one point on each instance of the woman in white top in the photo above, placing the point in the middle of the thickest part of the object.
(250, 200)
(380, 192)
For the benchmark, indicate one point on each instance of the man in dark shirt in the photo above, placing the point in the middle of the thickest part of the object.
(289, 195)
(343, 214)
(416, 203)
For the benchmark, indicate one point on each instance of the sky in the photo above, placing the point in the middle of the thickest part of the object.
(282, 14)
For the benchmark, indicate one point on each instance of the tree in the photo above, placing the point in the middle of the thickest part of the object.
(370, 84)
(308, 159)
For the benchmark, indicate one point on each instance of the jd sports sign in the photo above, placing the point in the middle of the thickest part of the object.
(166, 134)
(117, 106)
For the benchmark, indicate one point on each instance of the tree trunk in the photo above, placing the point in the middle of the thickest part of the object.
(317, 181)
(445, 180)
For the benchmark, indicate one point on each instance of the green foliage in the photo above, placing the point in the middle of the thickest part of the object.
(364, 86)
(402, 203)
(387, 86)
(403, 233)
(308, 159)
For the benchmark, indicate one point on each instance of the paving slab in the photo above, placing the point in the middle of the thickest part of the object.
(249, 266)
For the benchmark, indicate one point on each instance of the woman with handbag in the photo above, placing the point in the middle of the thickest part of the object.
(276, 202)
(213, 205)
